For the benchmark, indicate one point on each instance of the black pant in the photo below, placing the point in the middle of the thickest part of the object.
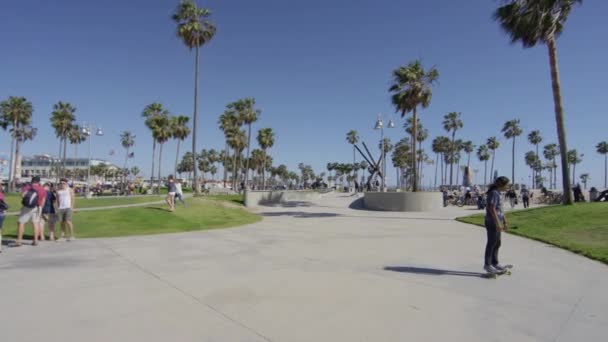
(526, 201)
(493, 244)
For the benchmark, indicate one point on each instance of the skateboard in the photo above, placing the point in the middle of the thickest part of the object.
(506, 271)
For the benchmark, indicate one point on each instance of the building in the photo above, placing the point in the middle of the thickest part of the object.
(46, 166)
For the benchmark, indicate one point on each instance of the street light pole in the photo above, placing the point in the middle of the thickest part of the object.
(380, 125)
(88, 130)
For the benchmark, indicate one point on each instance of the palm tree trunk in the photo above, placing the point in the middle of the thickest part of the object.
(247, 160)
(539, 170)
(452, 149)
(436, 167)
(605, 170)
(559, 119)
(513, 162)
(160, 158)
(65, 154)
(573, 173)
(458, 173)
(75, 158)
(17, 161)
(153, 158)
(58, 175)
(492, 168)
(124, 173)
(194, 124)
(234, 170)
(414, 135)
(224, 165)
(11, 169)
(441, 159)
(469, 160)
(264, 172)
(177, 156)
(485, 174)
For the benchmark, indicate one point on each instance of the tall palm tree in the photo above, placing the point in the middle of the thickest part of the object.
(265, 140)
(62, 120)
(352, 137)
(179, 131)
(511, 130)
(532, 160)
(584, 179)
(573, 159)
(411, 88)
(484, 155)
(238, 142)
(15, 112)
(229, 124)
(76, 137)
(437, 149)
(247, 113)
(452, 123)
(195, 30)
(541, 21)
(150, 113)
(161, 132)
(21, 135)
(550, 152)
(127, 140)
(134, 171)
(535, 139)
(493, 145)
(421, 135)
(602, 148)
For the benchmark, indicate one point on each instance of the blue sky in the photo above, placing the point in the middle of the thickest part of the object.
(317, 69)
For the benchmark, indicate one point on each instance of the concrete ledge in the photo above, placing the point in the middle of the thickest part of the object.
(270, 198)
(403, 201)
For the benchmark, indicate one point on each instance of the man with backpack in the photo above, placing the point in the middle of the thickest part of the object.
(32, 200)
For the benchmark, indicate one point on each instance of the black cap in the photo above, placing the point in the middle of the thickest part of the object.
(36, 179)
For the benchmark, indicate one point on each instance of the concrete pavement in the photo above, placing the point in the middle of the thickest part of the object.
(309, 272)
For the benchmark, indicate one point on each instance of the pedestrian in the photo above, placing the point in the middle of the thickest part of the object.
(512, 196)
(49, 214)
(3, 209)
(65, 205)
(172, 190)
(525, 196)
(179, 192)
(495, 223)
(32, 201)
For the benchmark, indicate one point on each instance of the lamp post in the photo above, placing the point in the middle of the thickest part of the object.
(88, 130)
(380, 125)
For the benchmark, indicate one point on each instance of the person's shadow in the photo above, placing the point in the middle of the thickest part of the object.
(434, 271)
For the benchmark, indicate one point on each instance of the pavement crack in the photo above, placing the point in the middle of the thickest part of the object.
(186, 293)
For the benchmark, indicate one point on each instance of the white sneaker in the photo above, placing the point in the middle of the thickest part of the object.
(499, 267)
(490, 269)
(71, 238)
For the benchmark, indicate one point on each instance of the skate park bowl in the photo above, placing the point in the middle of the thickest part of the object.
(279, 198)
(403, 201)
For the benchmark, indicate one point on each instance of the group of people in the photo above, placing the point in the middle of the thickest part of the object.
(43, 205)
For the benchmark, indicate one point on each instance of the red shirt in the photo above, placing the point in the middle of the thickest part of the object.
(39, 190)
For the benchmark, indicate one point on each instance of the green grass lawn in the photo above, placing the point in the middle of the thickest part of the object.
(200, 214)
(14, 201)
(581, 228)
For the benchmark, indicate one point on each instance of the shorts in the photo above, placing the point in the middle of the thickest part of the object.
(49, 218)
(64, 215)
(29, 214)
(172, 194)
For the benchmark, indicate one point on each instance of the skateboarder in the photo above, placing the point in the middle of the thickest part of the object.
(495, 223)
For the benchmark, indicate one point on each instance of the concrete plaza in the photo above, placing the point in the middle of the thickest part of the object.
(309, 272)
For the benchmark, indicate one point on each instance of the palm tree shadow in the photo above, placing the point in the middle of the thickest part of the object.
(434, 271)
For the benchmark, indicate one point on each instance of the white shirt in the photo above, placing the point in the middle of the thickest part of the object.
(178, 188)
(65, 199)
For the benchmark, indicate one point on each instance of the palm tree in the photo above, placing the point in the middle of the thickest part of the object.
(265, 140)
(493, 145)
(452, 123)
(484, 155)
(247, 115)
(573, 159)
(229, 124)
(352, 137)
(161, 133)
(584, 179)
(179, 131)
(468, 148)
(195, 30)
(411, 88)
(76, 137)
(535, 139)
(62, 120)
(550, 152)
(127, 140)
(602, 148)
(15, 112)
(541, 21)
(421, 135)
(511, 130)
(21, 135)
(533, 161)
(151, 112)
(238, 142)
(134, 171)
